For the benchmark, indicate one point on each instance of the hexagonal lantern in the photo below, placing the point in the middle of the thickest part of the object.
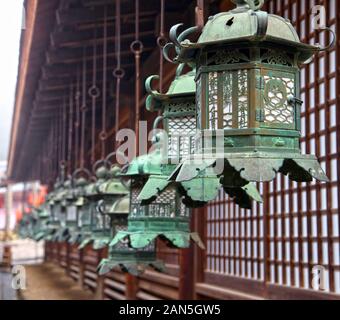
(178, 111)
(63, 197)
(108, 189)
(77, 210)
(248, 97)
(41, 229)
(90, 227)
(121, 254)
(167, 217)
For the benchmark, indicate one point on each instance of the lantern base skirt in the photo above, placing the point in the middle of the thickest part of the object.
(133, 262)
(238, 169)
(177, 239)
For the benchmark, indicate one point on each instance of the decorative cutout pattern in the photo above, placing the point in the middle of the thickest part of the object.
(227, 100)
(213, 97)
(182, 131)
(242, 99)
(228, 57)
(277, 57)
(277, 109)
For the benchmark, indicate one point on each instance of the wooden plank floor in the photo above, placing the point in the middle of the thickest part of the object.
(49, 282)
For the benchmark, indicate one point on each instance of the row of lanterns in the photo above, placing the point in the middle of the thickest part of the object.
(244, 82)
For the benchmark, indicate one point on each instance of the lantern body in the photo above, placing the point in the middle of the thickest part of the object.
(248, 99)
(120, 253)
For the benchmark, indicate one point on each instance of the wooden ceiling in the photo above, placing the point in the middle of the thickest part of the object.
(57, 35)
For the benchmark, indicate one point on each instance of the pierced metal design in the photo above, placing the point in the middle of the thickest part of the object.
(228, 57)
(137, 209)
(227, 100)
(277, 57)
(198, 103)
(180, 107)
(213, 97)
(242, 99)
(277, 109)
(181, 131)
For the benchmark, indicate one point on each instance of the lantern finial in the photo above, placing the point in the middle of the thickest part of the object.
(249, 4)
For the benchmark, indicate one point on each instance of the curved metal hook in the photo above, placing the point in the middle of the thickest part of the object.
(81, 170)
(187, 32)
(148, 85)
(95, 165)
(173, 34)
(166, 50)
(332, 43)
(108, 157)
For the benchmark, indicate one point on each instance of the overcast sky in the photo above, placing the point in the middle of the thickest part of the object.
(10, 28)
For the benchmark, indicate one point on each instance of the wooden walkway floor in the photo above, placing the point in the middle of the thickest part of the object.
(49, 282)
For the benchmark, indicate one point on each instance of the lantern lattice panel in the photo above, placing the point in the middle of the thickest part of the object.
(233, 84)
(277, 109)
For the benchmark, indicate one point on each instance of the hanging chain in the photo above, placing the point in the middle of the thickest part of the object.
(70, 130)
(161, 42)
(77, 123)
(118, 73)
(63, 160)
(83, 113)
(137, 49)
(103, 134)
(94, 94)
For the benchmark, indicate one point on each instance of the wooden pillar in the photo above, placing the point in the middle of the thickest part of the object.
(100, 279)
(202, 12)
(131, 287)
(187, 272)
(81, 269)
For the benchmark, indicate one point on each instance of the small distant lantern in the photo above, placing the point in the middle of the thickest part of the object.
(62, 199)
(105, 192)
(110, 191)
(90, 225)
(77, 210)
(41, 229)
(248, 69)
(178, 113)
(121, 255)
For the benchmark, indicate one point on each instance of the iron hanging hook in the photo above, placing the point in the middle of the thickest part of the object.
(332, 42)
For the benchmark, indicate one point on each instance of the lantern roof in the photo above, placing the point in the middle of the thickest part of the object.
(183, 85)
(122, 206)
(147, 164)
(114, 185)
(244, 25)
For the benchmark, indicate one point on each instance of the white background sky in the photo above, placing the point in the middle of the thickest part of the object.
(11, 12)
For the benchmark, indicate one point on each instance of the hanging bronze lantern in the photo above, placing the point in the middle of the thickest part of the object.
(167, 217)
(178, 111)
(110, 191)
(41, 228)
(248, 98)
(63, 198)
(121, 254)
(90, 224)
(77, 210)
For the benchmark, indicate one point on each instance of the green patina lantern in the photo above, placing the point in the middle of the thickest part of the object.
(167, 217)
(62, 199)
(104, 193)
(247, 97)
(121, 254)
(178, 111)
(77, 210)
(41, 228)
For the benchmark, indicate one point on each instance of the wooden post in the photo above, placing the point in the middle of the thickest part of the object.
(202, 12)
(186, 273)
(131, 287)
